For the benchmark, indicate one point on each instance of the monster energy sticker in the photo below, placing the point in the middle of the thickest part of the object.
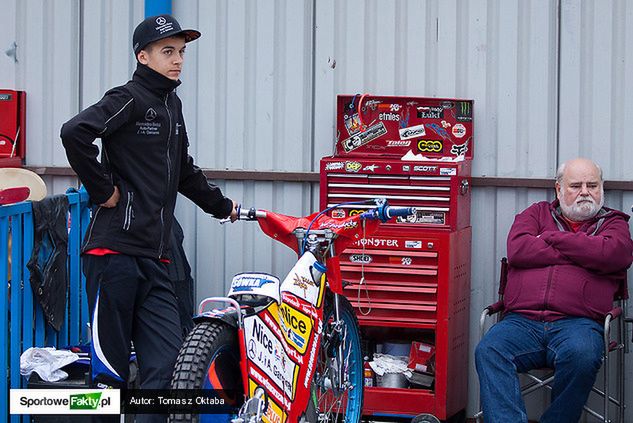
(362, 138)
(464, 111)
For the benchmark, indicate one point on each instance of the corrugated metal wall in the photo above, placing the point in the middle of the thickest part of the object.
(549, 79)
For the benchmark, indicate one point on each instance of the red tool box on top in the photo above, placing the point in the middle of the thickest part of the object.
(410, 281)
(12, 127)
(393, 126)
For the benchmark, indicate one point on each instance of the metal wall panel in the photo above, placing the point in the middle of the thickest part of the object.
(550, 80)
(68, 54)
(596, 67)
(247, 88)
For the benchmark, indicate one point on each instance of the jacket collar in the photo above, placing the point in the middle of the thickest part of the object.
(588, 225)
(153, 81)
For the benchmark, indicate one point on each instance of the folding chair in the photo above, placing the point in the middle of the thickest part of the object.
(612, 346)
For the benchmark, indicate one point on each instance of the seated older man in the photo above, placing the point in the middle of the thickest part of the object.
(566, 260)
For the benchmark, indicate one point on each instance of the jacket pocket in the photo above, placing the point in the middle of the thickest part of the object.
(598, 295)
(513, 289)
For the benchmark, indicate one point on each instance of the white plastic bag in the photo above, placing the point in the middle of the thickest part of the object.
(46, 362)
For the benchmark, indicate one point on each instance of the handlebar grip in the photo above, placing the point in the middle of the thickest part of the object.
(250, 214)
(385, 213)
(393, 211)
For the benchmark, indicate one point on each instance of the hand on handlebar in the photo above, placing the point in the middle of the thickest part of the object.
(234, 213)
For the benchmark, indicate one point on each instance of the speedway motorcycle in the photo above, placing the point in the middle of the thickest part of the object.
(285, 351)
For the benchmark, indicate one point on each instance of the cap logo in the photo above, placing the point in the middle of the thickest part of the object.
(163, 25)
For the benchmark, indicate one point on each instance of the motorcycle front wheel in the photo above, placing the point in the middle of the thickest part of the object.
(209, 359)
(338, 382)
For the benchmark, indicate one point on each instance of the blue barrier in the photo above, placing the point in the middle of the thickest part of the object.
(22, 322)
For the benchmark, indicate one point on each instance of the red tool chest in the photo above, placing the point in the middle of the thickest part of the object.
(12, 127)
(411, 281)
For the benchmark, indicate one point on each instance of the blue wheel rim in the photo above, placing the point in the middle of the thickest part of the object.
(353, 368)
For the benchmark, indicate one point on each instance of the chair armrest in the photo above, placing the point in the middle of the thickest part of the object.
(488, 311)
(615, 313)
(495, 308)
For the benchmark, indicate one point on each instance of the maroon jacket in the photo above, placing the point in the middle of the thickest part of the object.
(554, 272)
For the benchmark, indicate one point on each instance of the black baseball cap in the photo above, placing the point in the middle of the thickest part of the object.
(158, 27)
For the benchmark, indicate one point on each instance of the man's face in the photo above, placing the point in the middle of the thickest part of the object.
(581, 192)
(165, 56)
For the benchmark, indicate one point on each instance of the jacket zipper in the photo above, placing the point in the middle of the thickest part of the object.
(162, 220)
(549, 285)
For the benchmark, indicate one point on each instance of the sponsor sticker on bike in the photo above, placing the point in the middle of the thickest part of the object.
(267, 353)
(274, 413)
(255, 284)
(300, 283)
(295, 326)
(338, 214)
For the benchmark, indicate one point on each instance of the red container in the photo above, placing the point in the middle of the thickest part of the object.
(426, 291)
(411, 280)
(439, 190)
(392, 126)
(12, 127)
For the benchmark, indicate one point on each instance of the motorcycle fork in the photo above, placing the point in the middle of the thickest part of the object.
(340, 358)
(242, 341)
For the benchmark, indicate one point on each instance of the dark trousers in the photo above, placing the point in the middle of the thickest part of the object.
(132, 300)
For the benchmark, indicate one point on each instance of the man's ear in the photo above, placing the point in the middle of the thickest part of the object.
(558, 193)
(142, 57)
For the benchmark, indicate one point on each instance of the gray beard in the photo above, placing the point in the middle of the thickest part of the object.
(581, 212)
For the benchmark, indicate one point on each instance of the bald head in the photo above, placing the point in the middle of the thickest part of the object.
(579, 189)
(580, 161)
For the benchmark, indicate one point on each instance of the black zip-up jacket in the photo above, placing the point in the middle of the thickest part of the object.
(144, 153)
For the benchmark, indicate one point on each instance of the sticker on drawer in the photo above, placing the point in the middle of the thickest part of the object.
(413, 244)
(378, 242)
(432, 218)
(360, 258)
(448, 171)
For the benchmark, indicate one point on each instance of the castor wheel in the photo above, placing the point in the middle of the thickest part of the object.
(425, 418)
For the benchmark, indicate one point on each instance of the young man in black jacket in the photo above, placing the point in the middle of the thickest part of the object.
(144, 163)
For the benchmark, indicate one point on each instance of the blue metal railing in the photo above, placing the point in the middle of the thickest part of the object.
(22, 322)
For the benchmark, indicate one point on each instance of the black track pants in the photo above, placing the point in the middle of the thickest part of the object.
(132, 299)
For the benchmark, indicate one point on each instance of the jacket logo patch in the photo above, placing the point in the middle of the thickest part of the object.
(150, 114)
